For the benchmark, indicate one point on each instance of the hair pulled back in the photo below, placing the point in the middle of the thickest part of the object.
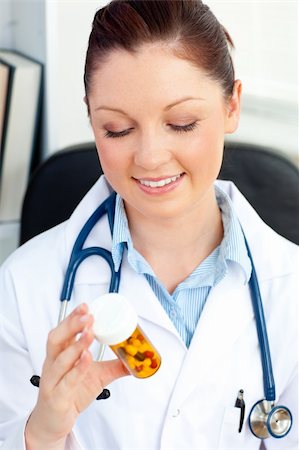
(188, 26)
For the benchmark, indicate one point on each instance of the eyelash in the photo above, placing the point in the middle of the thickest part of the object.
(112, 134)
(184, 128)
(177, 128)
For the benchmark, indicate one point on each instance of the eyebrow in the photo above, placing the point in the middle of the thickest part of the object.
(182, 100)
(167, 108)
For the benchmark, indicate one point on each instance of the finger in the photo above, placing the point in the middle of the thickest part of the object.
(109, 371)
(67, 359)
(65, 333)
(88, 378)
(73, 380)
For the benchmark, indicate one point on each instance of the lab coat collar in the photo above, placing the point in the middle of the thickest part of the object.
(133, 285)
(267, 247)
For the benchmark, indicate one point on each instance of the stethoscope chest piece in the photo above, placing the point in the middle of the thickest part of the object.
(267, 420)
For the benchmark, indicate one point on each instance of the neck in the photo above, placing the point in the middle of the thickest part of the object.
(174, 247)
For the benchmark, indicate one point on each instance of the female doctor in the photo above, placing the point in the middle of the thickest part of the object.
(161, 95)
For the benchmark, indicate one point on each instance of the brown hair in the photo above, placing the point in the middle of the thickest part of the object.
(187, 26)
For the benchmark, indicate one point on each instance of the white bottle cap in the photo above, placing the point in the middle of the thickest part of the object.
(114, 318)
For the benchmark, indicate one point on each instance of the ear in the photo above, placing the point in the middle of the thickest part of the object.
(85, 99)
(233, 108)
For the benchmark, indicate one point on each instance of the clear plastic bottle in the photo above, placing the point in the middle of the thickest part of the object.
(115, 324)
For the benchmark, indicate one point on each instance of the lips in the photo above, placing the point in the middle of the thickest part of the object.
(159, 183)
(160, 186)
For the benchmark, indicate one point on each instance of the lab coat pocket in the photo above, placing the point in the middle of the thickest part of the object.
(230, 438)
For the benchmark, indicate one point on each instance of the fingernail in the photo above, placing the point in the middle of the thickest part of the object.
(84, 332)
(84, 355)
(77, 310)
(81, 308)
(84, 318)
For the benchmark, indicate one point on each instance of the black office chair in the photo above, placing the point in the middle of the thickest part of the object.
(56, 187)
(269, 181)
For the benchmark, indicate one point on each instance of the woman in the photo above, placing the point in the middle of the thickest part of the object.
(161, 95)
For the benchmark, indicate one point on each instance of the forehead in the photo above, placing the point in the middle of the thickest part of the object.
(152, 72)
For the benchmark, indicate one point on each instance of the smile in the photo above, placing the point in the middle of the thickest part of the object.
(160, 183)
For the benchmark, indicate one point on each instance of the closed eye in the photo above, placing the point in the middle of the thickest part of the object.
(184, 128)
(177, 128)
(117, 134)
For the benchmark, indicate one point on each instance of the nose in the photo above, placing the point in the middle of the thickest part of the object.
(152, 152)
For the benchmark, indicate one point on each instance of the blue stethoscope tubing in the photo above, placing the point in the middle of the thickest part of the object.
(79, 254)
(268, 378)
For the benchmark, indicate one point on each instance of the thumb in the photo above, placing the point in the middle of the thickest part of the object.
(109, 371)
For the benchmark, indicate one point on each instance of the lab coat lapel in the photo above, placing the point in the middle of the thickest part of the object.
(138, 291)
(226, 314)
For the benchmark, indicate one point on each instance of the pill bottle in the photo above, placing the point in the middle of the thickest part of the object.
(115, 324)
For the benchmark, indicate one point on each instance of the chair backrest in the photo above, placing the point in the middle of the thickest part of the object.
(56, 187)
(269, 181)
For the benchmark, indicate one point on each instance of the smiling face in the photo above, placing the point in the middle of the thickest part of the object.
(159, 125)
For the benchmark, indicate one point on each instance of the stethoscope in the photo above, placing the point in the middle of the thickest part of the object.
(265, 419)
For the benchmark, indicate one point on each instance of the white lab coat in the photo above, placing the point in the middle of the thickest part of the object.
(189, 403)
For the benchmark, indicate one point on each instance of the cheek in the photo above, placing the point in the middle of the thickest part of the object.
(106, 159)
(114, 161)
(206, 152)
(107, 154)
(208, 144)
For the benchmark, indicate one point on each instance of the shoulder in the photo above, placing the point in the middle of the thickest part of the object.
(39, 248)
(50, 250)
(274, 256)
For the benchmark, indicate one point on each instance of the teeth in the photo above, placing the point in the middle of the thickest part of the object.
(159, 183)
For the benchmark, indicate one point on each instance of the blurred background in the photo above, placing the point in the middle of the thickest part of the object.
(55, 33)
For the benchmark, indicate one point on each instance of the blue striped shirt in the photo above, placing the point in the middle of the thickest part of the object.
(186, 303)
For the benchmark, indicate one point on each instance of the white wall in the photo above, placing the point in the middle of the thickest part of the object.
(266, 40)
(5, 24)
(68, 26)
(265, 34)
(28, 28)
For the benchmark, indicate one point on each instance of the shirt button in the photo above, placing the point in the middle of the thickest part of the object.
(176, 413)
(173, 314)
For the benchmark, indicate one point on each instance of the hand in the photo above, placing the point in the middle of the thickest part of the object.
(70, 381)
